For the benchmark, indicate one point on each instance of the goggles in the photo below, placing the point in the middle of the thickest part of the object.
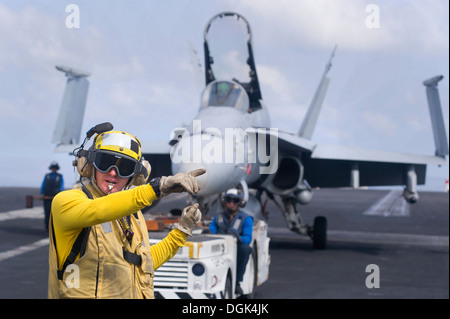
(125, 166)
(233, 199)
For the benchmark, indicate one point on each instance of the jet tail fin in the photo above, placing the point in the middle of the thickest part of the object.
(310, 120)
(437, 119)
(70, 118)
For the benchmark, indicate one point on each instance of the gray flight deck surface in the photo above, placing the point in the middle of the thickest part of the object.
(409, 244)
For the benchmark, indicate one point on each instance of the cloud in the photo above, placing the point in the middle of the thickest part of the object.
(322, 23)
(275, 81)
(39, 39)
(380, 122)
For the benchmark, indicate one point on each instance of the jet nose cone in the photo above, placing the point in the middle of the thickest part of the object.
(206, 152)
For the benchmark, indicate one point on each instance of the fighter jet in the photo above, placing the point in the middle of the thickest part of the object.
(232, 138)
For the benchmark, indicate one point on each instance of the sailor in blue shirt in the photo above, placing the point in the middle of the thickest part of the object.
(52, 184)
(239, 224)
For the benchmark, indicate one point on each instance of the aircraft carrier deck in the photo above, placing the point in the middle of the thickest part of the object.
(408, 244)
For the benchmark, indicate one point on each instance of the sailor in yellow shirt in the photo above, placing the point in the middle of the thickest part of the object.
(99, 244)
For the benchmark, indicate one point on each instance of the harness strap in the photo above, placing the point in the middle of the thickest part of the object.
(131, 257)
(79, 247)
(76, 249)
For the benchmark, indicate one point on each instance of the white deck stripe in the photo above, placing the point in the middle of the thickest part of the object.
(35, 212)
(23, 249)
(392, 204)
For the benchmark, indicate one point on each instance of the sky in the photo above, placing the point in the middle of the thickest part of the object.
(143, 82)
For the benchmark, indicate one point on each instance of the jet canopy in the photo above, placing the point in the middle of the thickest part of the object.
(225, 93)
(229, 54)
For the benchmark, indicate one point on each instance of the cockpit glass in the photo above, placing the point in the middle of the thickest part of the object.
(227, 39)
(225, 93)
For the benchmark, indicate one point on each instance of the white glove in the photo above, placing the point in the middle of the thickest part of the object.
(180, 183)
(190, 217)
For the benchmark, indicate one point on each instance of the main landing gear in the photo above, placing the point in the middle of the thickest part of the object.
(317, 232)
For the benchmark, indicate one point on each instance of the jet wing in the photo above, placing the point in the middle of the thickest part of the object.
(290, 142)
(343, 166)
(337, 166)
(334, 152)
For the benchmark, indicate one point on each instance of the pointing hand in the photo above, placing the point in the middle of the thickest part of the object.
(181, 182)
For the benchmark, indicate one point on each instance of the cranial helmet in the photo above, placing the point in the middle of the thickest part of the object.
(233, 193)
(54, 164)
(114, 149)
(120, 142)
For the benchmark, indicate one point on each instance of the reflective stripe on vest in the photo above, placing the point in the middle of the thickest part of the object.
(236, 225)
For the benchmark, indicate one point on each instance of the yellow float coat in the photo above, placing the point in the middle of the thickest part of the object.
(102, 272)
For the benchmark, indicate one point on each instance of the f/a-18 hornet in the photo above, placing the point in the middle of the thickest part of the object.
(231, 136)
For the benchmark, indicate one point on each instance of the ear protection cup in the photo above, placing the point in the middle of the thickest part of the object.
(222, 200)
(148, 168)
(142, 178)
(84, 168)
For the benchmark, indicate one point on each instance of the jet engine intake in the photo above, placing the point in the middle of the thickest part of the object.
(287, 178)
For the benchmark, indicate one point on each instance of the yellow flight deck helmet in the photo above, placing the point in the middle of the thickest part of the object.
(117, 149)
(120, 142)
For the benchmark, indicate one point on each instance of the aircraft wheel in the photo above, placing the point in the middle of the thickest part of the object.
(320, 233)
